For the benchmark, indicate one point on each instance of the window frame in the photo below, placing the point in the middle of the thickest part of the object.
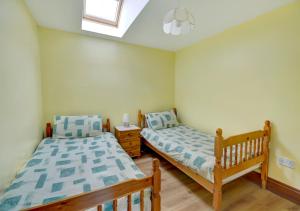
(102, 20)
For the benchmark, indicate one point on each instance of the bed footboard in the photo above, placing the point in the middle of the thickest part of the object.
(238, 153)
(112, 193)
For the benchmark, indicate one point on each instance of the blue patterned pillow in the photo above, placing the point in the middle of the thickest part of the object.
(161, 120)
(77, 126)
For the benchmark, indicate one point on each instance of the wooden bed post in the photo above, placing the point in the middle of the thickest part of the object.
(108, 125)
(48, 130)
(140, 118)
(175, 111)
(265, 164)
(217, 194)
(155, 206)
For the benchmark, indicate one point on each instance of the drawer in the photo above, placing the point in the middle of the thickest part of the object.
(131, 149)
(131, 143)
(134, 153)
(129, 134)
(133, 139)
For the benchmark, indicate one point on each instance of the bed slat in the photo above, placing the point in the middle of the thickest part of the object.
(129, 202)
(115, 205)
(241, 153)
(246, 151)
(142, 200)
(230, 159)
(260, 146)
(236, 154)
(225, 157)
(255, 145)
(251, 149)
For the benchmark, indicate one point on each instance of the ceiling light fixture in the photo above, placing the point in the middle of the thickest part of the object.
(178, 21)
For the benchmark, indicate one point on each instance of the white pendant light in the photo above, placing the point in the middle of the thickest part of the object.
(178, 21)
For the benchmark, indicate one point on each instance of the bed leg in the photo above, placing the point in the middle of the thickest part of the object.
(264, 176)
(217, 198)
(217, 192)
(265, 164)
(156, 186)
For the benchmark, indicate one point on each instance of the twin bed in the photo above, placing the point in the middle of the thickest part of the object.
(95, 173)
(211, 161)
(90, 173)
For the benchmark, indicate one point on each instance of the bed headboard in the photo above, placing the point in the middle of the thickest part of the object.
(142, 123)
(105, 128)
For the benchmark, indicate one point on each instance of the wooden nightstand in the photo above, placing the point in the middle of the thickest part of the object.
(129, 139)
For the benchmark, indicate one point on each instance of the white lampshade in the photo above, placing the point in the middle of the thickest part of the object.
(178, 21)
(126, 119)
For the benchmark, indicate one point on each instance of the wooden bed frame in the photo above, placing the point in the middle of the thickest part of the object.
(112, 193)
(254, 152)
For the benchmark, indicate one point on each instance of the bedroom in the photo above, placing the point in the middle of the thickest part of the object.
(237, 67)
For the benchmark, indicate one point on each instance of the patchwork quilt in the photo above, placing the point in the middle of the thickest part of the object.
(61, 168)
(187, 146)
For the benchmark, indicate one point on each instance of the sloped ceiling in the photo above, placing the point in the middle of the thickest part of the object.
(212, 16)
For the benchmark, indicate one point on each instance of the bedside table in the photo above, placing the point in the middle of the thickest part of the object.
(129, 139)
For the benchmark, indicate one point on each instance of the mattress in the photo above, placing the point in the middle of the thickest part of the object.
(191, 148)
(60, 168)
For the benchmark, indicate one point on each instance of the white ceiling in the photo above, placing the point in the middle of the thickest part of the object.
(212, 16)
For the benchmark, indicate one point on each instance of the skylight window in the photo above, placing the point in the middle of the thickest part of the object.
(103, 11)
(110, 17)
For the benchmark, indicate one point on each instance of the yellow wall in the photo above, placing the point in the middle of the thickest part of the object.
(239, 78)
(234, 80)
(20, 88)
(86, 75)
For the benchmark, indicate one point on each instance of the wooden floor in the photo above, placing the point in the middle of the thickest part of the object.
(180, 193)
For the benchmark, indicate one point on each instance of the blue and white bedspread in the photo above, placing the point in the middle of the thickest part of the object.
(194, 149)
(186, 145)
(61, 168)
